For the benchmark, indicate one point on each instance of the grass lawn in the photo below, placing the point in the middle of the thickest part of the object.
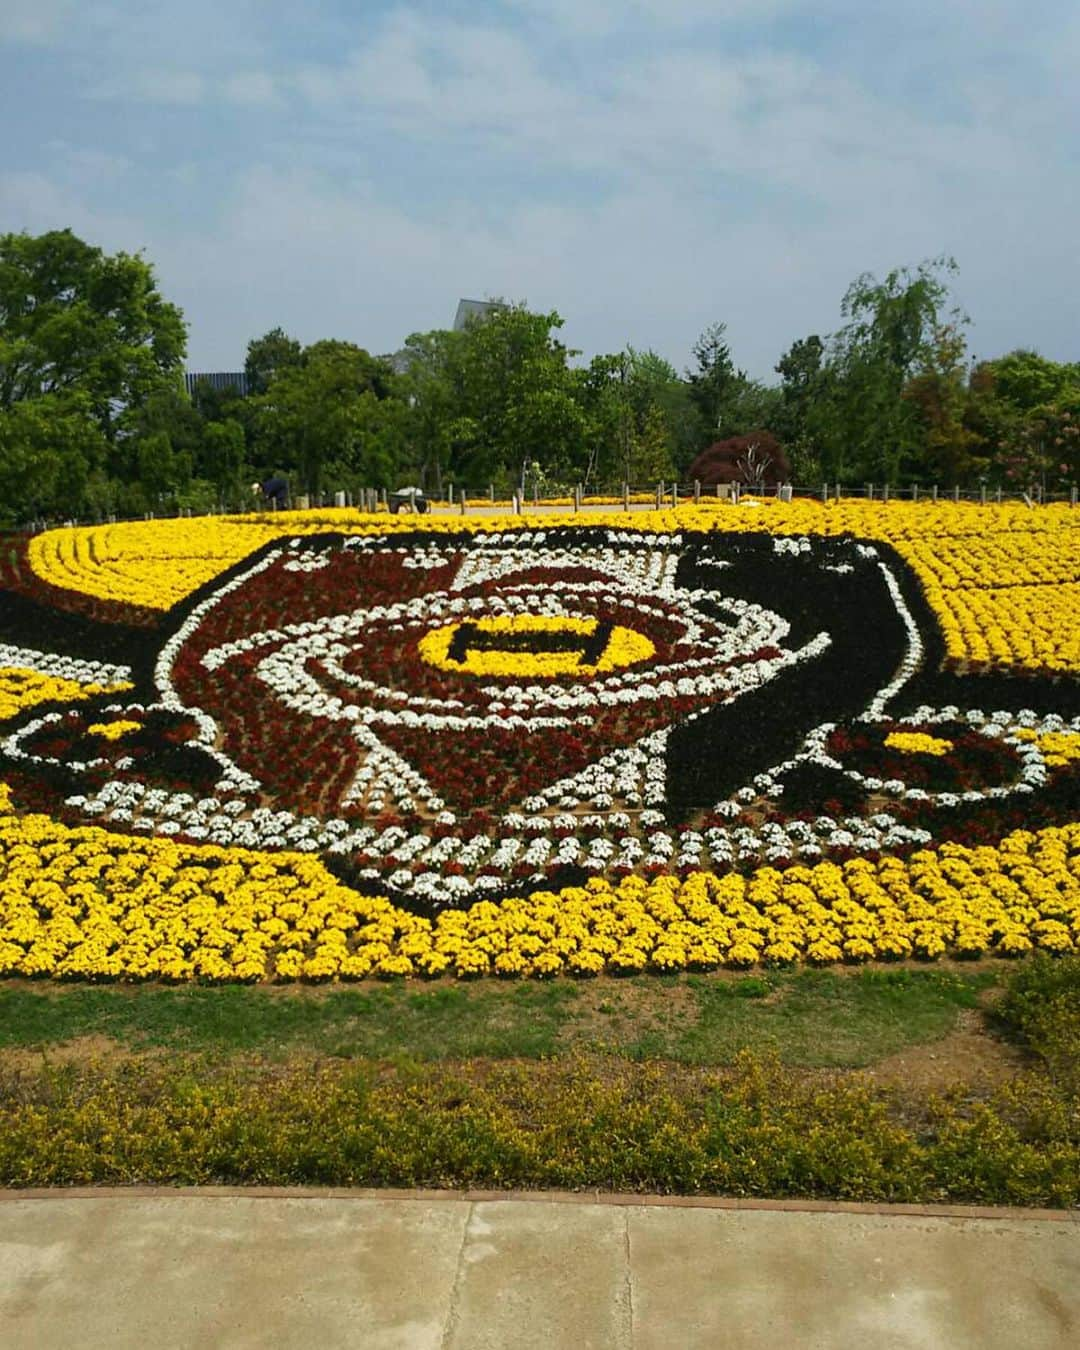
(913, 1083)
(810, 1019)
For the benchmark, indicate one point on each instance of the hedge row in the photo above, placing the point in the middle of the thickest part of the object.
(755, 1129)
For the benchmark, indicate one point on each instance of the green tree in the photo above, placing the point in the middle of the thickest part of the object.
(76, 321)
(160, 468)
(1026, 380)
(222, 458)
(874, 431)
(267, 355)
(332, 419)
(712, 379)
(804, 401)
(1048, 443)
(654, 386)
(940, 393)
(601, 397)
(650, 458)
(487, 402)
(49, 447)
(433, 401)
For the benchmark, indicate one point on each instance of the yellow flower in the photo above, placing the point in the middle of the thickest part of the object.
(917, 743)
(112, 731)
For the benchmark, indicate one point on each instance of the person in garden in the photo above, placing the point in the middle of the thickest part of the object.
(276, 491)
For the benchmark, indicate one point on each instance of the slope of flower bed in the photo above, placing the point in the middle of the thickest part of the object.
(87, 904)
(971, 559)
(326, 745)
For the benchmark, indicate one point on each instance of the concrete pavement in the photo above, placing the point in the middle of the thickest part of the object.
(227, 1269)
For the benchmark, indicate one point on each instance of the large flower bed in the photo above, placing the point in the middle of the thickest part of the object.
(333, 745)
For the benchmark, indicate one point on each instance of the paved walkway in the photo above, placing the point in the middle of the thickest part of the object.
(227, 1269)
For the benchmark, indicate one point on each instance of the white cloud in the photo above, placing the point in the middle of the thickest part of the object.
(171, 87)
(250, 88)
(33, 21)
(643, 189)
(591, 18)
(88, 166)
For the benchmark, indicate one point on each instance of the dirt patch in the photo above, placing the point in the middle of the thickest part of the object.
(970, 1054)
(82, 1050)
(611, 1013)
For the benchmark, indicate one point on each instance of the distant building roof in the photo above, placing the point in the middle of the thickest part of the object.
(220, 380)
(473, 309)
(399, 361)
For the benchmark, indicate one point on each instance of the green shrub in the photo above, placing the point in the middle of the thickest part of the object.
(1041, 1007)
(755, 1129)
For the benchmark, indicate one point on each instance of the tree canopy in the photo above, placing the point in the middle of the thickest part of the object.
(94, 417)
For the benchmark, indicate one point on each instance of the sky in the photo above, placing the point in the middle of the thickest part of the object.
(350, 168)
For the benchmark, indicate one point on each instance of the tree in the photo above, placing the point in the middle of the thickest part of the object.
(267, 355)
(713, 376)
(75, 321)
(496, 397)
(650, 456)
(756, 459)
(49, 446)
(332, 420)
(1049, 443)
(890, 332)
(1026, 380)
(433, 403)
(223, 457)
(939, 393)
(600, 392)
(656, 390)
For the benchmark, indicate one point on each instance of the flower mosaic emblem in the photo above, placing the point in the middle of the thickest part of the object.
(453, 717)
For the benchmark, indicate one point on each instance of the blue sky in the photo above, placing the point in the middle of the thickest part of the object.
(645, 167)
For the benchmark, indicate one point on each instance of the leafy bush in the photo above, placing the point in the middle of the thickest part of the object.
(1041, 1007)
(756, 1129)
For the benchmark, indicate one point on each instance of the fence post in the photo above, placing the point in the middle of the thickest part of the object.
(659, 494)
(1072, 495)
(697, 492)
(869, 492)
(734, 493)
(982, 494)
(577, 496)
(998, 494)
(956, 493)
(450, 493)
(825, 494)
(914, 492)
(884, 492)
(626, 496)
(933, 492)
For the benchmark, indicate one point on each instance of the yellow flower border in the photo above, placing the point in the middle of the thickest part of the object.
(82, 903)
(1003, 581)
